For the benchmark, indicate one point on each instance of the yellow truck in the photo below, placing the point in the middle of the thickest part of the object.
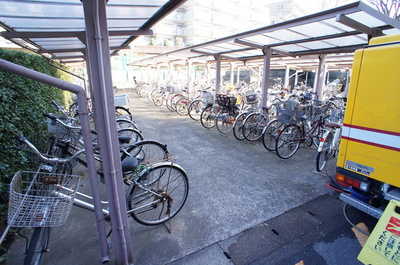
(368, 162)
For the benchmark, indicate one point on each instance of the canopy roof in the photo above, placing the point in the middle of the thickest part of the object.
(336, 31)
(57, 27)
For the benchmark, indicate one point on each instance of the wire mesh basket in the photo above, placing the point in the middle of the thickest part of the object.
(226, 101)
(60, 131)
(41, 199)
(289, 113)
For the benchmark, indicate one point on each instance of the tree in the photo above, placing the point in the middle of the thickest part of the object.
(388, 7)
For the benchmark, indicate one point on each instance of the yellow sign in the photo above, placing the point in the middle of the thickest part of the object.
(383, 245)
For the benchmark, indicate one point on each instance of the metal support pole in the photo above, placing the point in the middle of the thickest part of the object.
(208, 74)
(190, 76)
(287, 73)
(265, 85)
(232, 79)
(321, 75)
(98, 52)
(218, 74)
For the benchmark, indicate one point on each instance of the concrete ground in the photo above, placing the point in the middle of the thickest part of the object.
(245, 206)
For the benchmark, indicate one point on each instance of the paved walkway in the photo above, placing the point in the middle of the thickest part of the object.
(245, 204)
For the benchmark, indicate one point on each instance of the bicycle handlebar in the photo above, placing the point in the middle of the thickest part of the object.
(52, 160)
(55, 119)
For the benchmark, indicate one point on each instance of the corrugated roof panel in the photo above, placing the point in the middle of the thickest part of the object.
(38, 16)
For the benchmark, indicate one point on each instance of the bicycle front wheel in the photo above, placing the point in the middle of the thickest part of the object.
(195, 109)
(208, 117)
(238, 126)
(123, 113)
(37, 246)
(160, 194)
(288, 141)
(253, 126)
(324, 155)
(225, 121)
(182, 106)
(270, 135)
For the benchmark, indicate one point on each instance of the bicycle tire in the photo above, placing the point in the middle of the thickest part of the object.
(37, 245)
(123, 113)
(182, 106)
(324, 155)
(195, 109)
(158, 99)
(125, 123)
(170, 182)
(128, 137)
(270, 134)
(238, 126)
(225, 121)
(254, 125)
(316, 136)
(287, 142)
(207, 117)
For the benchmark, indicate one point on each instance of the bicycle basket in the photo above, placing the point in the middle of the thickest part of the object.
(41, 199)
(250, 97)
(221, 99)
(289, 115)
(62, 132)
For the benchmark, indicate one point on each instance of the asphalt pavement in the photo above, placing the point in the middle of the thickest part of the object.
(245, 206)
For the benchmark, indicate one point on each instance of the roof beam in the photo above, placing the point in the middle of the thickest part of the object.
(69, 34)
(262, 47)
(373, 32)
(246, 43)
(82, 50)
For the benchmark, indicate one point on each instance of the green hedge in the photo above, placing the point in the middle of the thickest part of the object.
(22, 104)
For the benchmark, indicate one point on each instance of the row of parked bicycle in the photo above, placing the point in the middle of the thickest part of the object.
(289, 121)
(157, 187)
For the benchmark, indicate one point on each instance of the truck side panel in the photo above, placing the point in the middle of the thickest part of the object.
(370, 144)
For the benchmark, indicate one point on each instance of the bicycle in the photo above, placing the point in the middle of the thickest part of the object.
(67, 141)
(227, 116)
(37, 200)
(158, 191)
(250, 100)
(254, 124)
(196, 106)
(330, 140)
(292, 135)
(209, 113)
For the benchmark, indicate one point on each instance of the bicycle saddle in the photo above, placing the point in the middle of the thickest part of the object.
(332, 125)
(124, 139)
(129, 164)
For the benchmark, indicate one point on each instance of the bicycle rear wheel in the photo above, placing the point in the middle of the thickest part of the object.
(160, 195)
(324, 155)
(37, 246)
(225, 121)
(122, 113)
(270, 135)
(288, 141)
(238, 126)
(208, 117)
(254, 125)
(128, 136)
(182, 106)
(195, 109)
(143, 151)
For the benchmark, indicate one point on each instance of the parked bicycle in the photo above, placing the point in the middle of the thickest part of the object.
(157, 192)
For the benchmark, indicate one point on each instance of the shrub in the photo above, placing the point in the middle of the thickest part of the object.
(22, 104)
